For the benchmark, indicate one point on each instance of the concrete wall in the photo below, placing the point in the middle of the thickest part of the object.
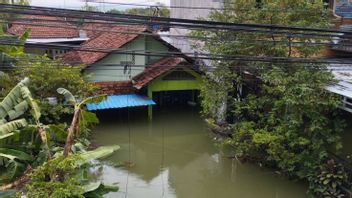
(193, 13)
(154, 46)
(107, 73)
(182, 43)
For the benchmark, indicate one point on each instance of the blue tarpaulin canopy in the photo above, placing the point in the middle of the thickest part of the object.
(121, 101)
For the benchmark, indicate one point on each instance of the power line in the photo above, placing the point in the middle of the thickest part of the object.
(201, 56)
(200, 7)
(187, 23)
(202, 38)
(270, 32)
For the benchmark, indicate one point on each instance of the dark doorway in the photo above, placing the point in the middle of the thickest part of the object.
(173, 98)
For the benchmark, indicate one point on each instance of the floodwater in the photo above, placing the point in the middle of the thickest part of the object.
(174, 157)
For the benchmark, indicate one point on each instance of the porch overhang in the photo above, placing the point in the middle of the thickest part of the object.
(121, 101)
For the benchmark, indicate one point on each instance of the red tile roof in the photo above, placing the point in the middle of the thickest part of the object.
(156, 69)
(43, 28)
(96, 28)
(108, 41)
(117, 87)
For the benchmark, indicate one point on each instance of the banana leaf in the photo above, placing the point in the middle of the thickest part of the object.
(19, 110)
(12, 168)
(35, 110)
(12, 154)
(8, 194)
(68, 95)
(94, 100)
(7, 129)
(10, 162)
(12, 99)
(98, 153)
(98, 189)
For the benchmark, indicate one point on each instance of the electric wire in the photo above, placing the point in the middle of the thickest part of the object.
(35, 10)
(194, 7)
(201, 38)
(199, 56)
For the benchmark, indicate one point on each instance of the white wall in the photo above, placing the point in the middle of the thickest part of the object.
(193, 13)
(184, 44)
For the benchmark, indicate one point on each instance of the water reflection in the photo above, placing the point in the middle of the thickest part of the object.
(173, 157)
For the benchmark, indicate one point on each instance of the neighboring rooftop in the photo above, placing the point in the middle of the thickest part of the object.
(343, 74)
(155, 70)
(108, 41)
(45, 27)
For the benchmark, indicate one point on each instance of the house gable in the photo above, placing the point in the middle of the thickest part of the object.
(191, 80)
(111, 67)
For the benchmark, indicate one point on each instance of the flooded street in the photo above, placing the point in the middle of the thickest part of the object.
(174, 157)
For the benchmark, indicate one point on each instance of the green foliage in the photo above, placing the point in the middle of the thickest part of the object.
(68, 95)
(44, 181)
(162, 11)
(8, 129)
(151, 11)
(5, 15)
(13, 161)
(285, 118)
(45, 82)
(13, 106)
(326, 181)
(67, 177)
(97, 190)
(98, 153)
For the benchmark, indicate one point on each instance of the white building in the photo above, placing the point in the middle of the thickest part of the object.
(187, 9)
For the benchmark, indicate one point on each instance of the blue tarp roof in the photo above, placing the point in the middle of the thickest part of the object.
(121, 101)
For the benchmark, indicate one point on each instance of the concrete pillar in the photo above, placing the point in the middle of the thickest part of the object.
(150, 107)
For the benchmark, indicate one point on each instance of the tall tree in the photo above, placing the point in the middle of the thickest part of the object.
(284, 117)
(15, 2)
(157, 10)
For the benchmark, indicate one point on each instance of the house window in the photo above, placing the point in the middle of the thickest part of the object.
(179, 75)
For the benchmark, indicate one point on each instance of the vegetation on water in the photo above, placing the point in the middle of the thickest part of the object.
(279, 114)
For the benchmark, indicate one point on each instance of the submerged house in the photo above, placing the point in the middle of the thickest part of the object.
(128, 62)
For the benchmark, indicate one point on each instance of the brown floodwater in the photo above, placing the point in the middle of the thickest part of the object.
(174, 156)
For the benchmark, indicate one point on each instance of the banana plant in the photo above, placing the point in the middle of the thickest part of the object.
(80, 116)
(17, 102)
(12, 107)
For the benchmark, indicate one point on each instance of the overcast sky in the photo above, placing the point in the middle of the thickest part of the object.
(77, 4)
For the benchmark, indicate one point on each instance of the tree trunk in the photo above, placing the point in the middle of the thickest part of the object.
(44, 139)
(222, 110)
(71, 132)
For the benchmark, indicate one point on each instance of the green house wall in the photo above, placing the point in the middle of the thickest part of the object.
(159, 84)
(100, 73)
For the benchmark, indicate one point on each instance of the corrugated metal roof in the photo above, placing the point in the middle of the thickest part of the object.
(121, 101)
(343, 74)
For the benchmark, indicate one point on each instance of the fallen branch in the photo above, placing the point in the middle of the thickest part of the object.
(19, 182)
